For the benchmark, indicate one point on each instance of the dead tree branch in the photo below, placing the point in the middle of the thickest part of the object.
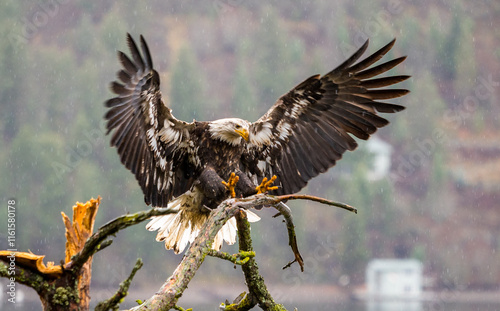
(292, 237)
(113, 302)
(258, 293)
(53, 282)
(168, 295)
(286, 197)
(238, 259)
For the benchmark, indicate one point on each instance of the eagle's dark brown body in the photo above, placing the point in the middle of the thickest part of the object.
(218, 160)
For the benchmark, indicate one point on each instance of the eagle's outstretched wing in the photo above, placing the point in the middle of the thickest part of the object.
(307, 130)
(149, 139)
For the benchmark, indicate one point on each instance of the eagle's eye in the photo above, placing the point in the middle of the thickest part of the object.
(238, 126)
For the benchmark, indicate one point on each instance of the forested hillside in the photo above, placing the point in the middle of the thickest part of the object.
(438, 203)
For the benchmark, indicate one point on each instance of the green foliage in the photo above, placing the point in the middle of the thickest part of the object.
(455, 59)
(449, 48)
(466, 58)
(187, 87)
(11, 56)
(244, 98)
(424, 116)
(30, 174)
(275, 60)
(355, 189)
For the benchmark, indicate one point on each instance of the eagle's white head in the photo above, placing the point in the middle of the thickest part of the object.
(230, 130)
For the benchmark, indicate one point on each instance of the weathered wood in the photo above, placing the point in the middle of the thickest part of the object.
(168, 295)
(77, 233)
(257, 288)
(58, 287)
(65, 287)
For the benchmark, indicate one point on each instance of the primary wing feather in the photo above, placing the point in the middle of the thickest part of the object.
(148, 138)
(310, 127)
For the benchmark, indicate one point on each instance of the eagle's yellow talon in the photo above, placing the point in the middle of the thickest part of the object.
(265, 185)
(231, 184)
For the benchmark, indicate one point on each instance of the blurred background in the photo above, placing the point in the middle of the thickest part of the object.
(427, 187)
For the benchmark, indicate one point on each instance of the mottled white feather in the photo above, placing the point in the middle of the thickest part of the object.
(262, 137)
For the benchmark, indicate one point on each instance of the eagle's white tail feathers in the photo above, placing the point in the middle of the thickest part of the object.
(165, 221)
(181, 228)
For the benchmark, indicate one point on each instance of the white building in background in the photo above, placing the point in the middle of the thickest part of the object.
(382, 152)
(394, 279)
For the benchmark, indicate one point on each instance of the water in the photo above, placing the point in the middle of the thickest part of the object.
(401, 306)
(363, 306)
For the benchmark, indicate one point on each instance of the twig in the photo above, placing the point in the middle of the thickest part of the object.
(292, 238)
(265, 199)
(316, 199)
(258, 292)
(114, 302)
(242, 302)
(240, 258)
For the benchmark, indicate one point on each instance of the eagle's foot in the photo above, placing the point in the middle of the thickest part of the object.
(265, 185)
(231, 184)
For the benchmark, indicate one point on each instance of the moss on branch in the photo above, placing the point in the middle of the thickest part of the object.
(168, 295)
(258, 292)
(238, 259)
(114, 302)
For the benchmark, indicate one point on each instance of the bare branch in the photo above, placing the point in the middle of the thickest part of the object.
(292, 238)
(316, 199)
(168, 295)
(265, 199)
(258, 292)
(113, 302)
(240, 258)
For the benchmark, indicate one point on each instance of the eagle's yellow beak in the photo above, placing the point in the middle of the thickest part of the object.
(243, 133)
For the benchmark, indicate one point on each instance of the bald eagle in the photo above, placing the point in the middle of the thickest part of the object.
(191, 168)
